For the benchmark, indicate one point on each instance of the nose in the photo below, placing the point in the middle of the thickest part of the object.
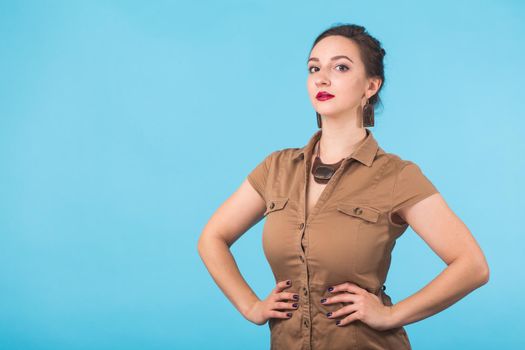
(321, 81)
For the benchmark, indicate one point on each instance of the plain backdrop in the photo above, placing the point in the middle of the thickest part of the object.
(125, 124)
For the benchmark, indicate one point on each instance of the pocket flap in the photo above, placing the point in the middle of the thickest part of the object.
(275, 204)
(360, 211)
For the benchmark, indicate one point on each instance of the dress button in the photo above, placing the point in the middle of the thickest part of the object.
(272, 205)
(301, 257)
(306, 323)
(301, 226)
(358, 211)
(305, 291)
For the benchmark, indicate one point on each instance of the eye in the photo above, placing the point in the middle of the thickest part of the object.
(344, 68)
(310, 69)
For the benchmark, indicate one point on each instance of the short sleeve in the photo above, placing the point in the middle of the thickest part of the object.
(257, 177)
(411, 186)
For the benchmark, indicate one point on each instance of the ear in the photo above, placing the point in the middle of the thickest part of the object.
(373, 86)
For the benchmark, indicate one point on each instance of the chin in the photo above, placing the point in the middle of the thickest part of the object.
(336, 111)
(331, 112)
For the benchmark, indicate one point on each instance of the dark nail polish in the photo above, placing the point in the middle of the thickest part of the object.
(328, 314)
(296, 296)
(330, 289)
(323, 301)
(289, 314)
(337, 322)
(288, 282)
(295, 304)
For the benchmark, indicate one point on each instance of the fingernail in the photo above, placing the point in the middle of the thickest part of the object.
(337, 322)
(288, 282)
(296, 296)
(330, 289)
(289, 314)
(295, 304)
(328, 314)
(323, 301)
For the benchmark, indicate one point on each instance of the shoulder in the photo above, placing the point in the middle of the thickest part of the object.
(282, 156)
(395, 162)
(410, 181)
(276, 159)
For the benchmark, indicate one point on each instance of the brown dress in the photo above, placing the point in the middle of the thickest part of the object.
(348, 236)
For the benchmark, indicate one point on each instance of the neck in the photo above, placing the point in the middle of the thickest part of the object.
(339, 139)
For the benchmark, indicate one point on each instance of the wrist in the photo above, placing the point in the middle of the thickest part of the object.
(245, 310)
(395, 319)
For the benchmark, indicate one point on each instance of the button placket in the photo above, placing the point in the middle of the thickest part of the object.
(301, 255)
(304, 244)
(306, 300)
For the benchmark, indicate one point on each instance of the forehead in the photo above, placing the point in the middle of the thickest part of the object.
(335, 45)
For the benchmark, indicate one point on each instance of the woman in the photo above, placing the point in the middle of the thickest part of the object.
(334, 209)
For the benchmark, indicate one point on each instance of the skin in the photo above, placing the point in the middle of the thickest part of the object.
(431, 218)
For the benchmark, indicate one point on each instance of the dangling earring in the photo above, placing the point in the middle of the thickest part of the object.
(368, 114)
(319, 121)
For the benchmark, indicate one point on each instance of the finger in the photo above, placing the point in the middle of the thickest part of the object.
(287, 296)
(346, 287)
(344, 311)
(285, 306)
(280, 314)
(282, 285)
(341, 298)
(348, 319)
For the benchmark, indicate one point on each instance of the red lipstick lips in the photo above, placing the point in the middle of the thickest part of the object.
(323, 96)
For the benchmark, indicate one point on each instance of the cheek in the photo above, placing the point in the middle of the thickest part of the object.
(312, 90)
(310, 85)
(349, 84)
(352, 90)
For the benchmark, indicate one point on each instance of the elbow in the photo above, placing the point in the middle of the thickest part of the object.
(200, 246)
(485, 274)
(477, 267)
(207, 243)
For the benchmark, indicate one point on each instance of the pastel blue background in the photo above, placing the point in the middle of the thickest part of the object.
(125, 124)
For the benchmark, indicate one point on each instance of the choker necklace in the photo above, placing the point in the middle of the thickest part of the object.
(323, 172)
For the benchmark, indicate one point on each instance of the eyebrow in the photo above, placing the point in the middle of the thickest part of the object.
(332, 59)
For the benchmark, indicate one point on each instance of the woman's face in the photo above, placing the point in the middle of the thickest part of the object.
(343, 76)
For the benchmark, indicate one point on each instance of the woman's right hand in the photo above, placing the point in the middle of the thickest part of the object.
(262, 310)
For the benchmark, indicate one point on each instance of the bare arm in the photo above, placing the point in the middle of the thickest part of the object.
(234, 217)
(452, 241)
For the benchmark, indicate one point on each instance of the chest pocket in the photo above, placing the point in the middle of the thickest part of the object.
(275, 204)
(359, 211)
(371, 239)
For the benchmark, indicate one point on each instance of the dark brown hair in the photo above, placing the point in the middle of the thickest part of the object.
(370, 49)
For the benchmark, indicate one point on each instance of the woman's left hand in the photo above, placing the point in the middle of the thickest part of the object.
(364, 306)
